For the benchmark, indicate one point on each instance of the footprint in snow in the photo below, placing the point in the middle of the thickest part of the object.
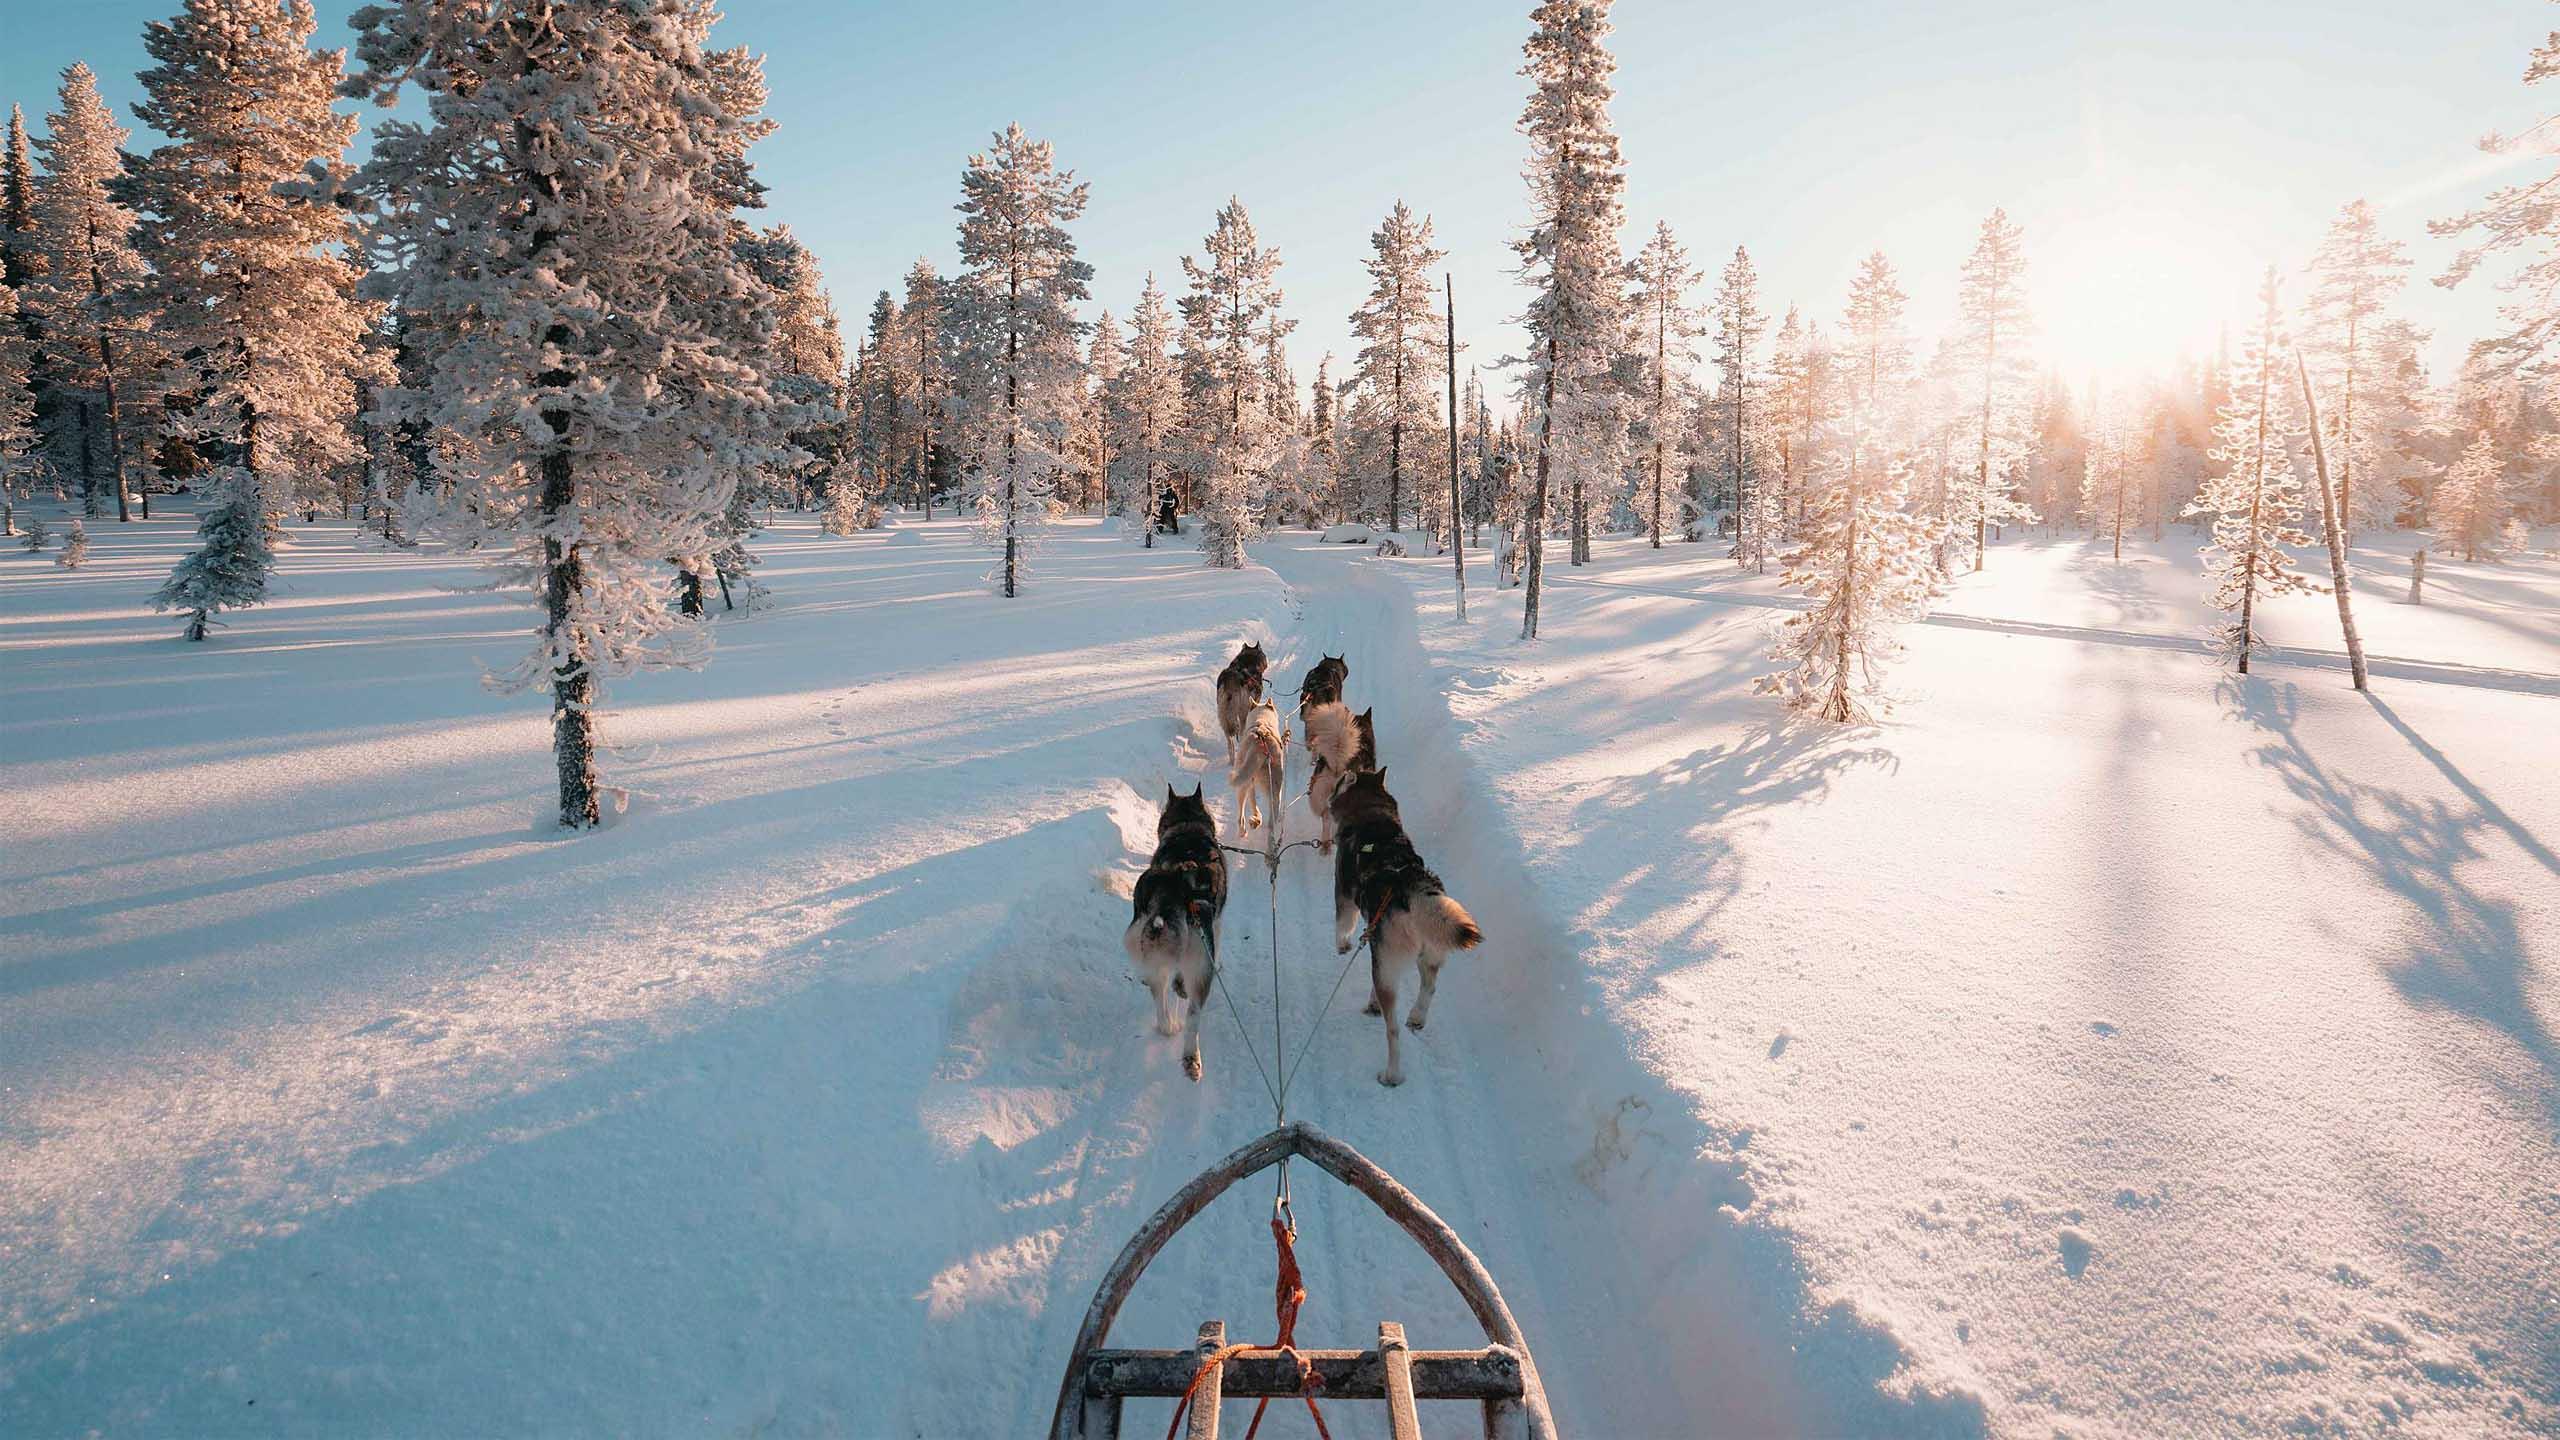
(2103, 1028)
(2076, 1251)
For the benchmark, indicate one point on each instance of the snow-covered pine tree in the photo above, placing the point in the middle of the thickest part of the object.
(1324, 443)
(1013, 308)
(924, 341)
(75, 547)
(553, 220)
(1739, 323)
(1234, 302)
(879, 390)
(2112, 488)
(18, 463)
(2517, 217)
(1145, 404)
(36, 535)
(1401, 355)
(2354, 277)
(1661, 328)
(2471, 508)
(1864, 563)
(1104, 356)
(83, 294)
(1799, 405)
(253, 282)
(2256, 503)
(1876, 355)
(1992, 329)
(805, 365)
(1569, 260)
(21, 256)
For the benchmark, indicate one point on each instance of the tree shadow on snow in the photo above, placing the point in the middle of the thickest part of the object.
(2471, 958)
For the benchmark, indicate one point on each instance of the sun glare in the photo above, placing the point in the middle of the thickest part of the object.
(2122, 290)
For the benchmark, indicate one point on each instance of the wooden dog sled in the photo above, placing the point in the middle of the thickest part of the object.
(1500, 1377)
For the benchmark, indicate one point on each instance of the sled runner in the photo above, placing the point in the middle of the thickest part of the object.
(1500, 1377)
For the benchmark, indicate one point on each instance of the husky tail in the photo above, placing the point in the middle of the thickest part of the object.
(1329, 733)
(1443, 924)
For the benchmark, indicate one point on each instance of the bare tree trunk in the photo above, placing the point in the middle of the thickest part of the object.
(2330, 506)
(2417, 576)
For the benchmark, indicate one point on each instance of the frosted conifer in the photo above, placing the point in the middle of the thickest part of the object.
(1403, 351)
(1013, 308)
(84, 293)
(1232, 307)
(2256, 502)
(565, 171)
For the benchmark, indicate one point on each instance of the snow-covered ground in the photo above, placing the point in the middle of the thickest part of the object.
(2100, 1045)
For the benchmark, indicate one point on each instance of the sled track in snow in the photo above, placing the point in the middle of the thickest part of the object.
(2436, 672)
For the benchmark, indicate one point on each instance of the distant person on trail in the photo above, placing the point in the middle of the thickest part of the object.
(1167, 522)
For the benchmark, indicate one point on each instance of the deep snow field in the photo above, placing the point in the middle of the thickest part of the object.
(2100, 1045)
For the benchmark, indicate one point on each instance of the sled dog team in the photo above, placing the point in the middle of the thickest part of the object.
(1379, 879)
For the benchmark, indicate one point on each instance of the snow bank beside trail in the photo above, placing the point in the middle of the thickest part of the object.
(2147, 1051)
(1658, 1304)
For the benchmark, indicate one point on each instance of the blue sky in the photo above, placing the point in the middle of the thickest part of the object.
(2158, 154)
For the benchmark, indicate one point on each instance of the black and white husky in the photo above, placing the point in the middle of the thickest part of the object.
(1323, 685)
(1379, 879)
(1173, 926)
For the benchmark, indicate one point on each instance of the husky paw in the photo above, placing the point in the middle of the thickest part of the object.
(1343, 947)
(1413, 1022)
(1191, 1066)
(1168, 1027)
(1390, 1078)
(1369, 1009)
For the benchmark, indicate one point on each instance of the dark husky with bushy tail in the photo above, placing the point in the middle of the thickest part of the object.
(1323, 685)
(1378, 877)
(1239, 685)
(1173, 925)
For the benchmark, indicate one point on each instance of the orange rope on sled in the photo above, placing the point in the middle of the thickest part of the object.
(1288, 1293)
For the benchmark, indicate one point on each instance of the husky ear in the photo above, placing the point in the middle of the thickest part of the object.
(1169, 796)
(1195, 791)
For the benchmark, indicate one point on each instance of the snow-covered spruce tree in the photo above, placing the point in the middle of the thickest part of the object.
(922, 340)
(879, 389)
(1876, 356)
(252, 281)
(18, 463)
(1144, 405)
(21, 257)
(1401, 357)
(2519, 217)
(1799, 408)
(1233, 304)
(1569, 261)
(553, 223)
(2354, 278)
(1105, 353)
(1661, 325)
(83, 295)
(2471, 508)
(1991, 333)
(1739, 323)
(2112, 484)
(1324, 444)
(2256, 503)
(75, 547)
(805, 365)
(1864, 562)
(1012, 307)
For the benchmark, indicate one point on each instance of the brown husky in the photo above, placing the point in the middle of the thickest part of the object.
(1239, 685)
(1341, 743)
(1378, 877)
(1261, 761)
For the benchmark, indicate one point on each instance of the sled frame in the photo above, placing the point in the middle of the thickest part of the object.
(1500, 1377)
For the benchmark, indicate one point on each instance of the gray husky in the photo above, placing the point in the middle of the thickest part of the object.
(1173, 925)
